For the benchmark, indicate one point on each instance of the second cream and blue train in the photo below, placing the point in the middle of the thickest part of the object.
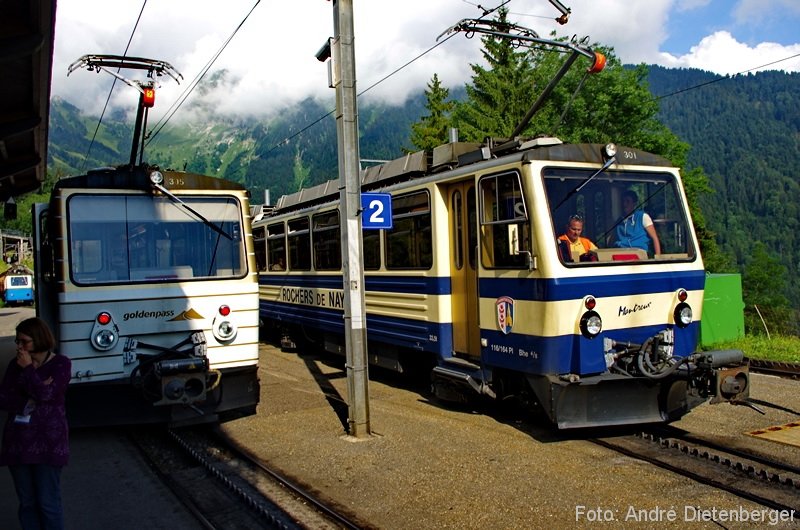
(471, 282)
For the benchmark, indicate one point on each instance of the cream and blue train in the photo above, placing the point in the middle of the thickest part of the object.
(472, 281)
(148, 280)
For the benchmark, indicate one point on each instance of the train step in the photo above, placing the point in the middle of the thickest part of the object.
(462, 363)
(461, 375)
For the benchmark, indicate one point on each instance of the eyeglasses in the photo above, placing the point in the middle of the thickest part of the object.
(22, 341)
(575, 217)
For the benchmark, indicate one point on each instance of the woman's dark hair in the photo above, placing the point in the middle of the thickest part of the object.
(39, 332)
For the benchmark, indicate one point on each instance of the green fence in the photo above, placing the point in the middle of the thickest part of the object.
(723, 309)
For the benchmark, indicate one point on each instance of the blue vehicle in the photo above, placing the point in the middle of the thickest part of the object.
(17, 287)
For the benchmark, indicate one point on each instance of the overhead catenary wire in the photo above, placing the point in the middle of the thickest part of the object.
(159, 126)
(288, 139)
(384, 78)
(111, 90)
(727, 76)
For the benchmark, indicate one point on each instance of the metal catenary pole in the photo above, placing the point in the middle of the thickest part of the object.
(344, 80)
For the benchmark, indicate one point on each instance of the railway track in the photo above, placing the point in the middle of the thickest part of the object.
(781, 369)
(223, 487)
(750, 476)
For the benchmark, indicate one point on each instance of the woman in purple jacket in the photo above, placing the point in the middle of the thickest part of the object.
(36, 437)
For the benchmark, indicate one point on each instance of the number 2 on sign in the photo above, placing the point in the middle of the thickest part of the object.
(376, 216)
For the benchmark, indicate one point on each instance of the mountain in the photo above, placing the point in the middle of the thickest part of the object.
(744, 131)
(296, 149)
(745, 134)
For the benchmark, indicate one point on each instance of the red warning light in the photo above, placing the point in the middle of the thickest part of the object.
(149, 97)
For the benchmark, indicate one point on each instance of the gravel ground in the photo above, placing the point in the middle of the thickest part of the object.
(433, 466)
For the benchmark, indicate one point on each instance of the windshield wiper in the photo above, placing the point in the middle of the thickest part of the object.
(192, 211)
(580, 186)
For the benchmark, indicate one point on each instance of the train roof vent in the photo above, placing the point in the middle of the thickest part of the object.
(446, 156)
(314, 193)
(544, 141)
(412, 163)
(258, 211)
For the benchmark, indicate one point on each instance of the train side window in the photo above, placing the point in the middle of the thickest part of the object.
(409, 244)
(502, 205)
(299, 238)
(458, 229)
(327, 241)
(276, 247)
(372, 249)
(472, 228)
(46, 267)
(260, 247)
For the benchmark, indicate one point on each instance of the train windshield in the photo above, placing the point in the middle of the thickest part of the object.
(138, 238)
(617, 216)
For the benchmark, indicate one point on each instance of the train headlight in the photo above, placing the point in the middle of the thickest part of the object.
(226, 330)
(683, 314)
(105, 339)
(609, 151)
(591, 324)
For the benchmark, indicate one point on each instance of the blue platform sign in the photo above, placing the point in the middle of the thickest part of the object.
(376, 211)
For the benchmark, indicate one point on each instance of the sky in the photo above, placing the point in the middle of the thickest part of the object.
(270, 62)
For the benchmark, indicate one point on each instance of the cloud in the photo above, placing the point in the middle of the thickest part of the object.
(722, 54)
(270, 62)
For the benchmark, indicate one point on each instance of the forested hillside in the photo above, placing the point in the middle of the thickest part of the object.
(744, 131)
(295, 150)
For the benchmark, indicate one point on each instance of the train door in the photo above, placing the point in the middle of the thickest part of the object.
(461, 206)
(45, 291)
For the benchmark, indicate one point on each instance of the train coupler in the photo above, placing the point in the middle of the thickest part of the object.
(730, 375)
(183, 381)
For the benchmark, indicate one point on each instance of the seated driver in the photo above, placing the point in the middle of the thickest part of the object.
(571, 241)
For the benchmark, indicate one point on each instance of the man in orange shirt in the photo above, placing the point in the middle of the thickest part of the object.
(571, 241)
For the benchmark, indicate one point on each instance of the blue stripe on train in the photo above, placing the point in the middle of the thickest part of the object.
(572, 354)
(386, 284)
(542, 290)
(406, 333)
(553, 290)
(526, 353)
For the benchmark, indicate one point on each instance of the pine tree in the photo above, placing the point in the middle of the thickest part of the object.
(614, 105)
(499, 96)
(432, 129)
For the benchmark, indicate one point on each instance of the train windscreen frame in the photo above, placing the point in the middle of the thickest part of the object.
(119, 238)
(597, 200)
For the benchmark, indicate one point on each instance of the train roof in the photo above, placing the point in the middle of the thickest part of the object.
(16, 270)
(462, 154)
(125, 177)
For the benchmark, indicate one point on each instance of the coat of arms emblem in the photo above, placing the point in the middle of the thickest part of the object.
(505, 313)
